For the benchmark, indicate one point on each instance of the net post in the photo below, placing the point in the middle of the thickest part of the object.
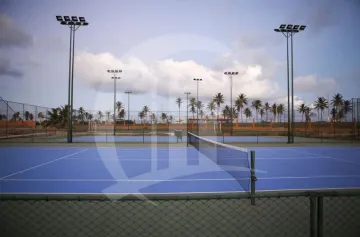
(253, 177)
(187, 139)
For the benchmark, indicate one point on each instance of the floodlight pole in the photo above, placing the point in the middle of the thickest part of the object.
(128, 122)
(289, 31)
(197, 102)
(114, 77)
(187, 109)
(74, 23)
(231, 74)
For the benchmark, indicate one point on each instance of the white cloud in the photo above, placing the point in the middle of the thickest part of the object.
(314, 85)
(172, 78)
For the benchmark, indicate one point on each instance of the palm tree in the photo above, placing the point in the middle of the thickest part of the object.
(256, 104)
(119, 106)
(262, 113)
(240, 102)
(267, 108)
(58, 117)
(320, 104)
(3, 117)
(218, 100)
(164, 116)
(337, 101)
(274, 108)
(100, 115)
(26, 115)
(346, 108)
(153, 117)
(333, 113)
(31, 117)
(247, 113)
(226, 112)
(211, 108)
(141, 116)
(201, 113)
(41, 116)
(302, 110)
(81, 114)
(146, 110)
(171, 118)
(178, 102)
(280, 111)
(16, 116)
(192, 106)
(122, 114)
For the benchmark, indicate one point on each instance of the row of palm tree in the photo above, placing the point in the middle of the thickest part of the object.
(242, 107)
(339, 111)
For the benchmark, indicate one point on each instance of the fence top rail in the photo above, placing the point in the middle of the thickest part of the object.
(194, 196)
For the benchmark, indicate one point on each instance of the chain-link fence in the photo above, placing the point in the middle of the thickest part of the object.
(315, 213)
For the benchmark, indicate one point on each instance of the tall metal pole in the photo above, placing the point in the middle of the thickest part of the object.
(197, 102)
(292, 90)
(289, 31)
(114, 117)
(230, 74)
(73, 23)
(231, 106)
(69, 89)
(288, 85)
(72, 84)
(187, 110)
(128, 92)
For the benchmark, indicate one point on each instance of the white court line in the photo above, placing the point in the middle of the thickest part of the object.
(46, 163)
(176, 180)
(333, 158)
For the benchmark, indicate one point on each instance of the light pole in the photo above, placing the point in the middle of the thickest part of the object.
(73, 23)
(114, 77)
(288, 31)
(187, 109)
(197, 103)
(128, 122)
(231, 74)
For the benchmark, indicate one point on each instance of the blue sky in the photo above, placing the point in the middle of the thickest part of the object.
(162, 45)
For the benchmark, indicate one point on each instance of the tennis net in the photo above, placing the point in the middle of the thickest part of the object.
(233, 160)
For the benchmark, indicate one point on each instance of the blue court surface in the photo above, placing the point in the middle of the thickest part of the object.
(173, 139)
(79, 170)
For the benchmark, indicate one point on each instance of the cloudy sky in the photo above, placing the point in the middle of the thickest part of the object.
(161, 45)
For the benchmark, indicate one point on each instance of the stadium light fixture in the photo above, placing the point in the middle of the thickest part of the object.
(289, 30)
(73, 23)
(231, 74)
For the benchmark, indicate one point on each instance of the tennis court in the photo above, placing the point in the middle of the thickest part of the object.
(180, 170)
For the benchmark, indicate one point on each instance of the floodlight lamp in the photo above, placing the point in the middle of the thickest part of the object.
(289, 27)
(112, 71)
(283, 30)
(77, 23)
(236, 73)
(276, 30)
(82, 19)
(282, 26)
(225, 73)
(59, 18)
(74, 18)
(71, 23)
(302, 27)
(108, 71)
(66, 18)
(296, 27)
(116, 71)
(85, 23)
(63, 23)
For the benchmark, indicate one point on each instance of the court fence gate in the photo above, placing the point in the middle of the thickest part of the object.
(315, 213)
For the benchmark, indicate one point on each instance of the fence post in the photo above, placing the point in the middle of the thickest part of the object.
(143, 135)
(320, 216)
(253, 177)
(313, 210)
(7, 119)
(257, 137)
